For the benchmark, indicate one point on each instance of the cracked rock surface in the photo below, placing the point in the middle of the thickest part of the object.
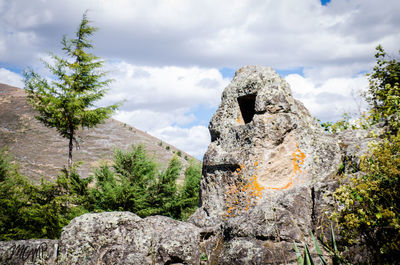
(265, 171)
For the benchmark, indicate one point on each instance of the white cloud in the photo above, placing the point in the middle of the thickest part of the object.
(11, 78)
(234, 33)
(160, 101)
(193, 140)
(164, 88)
(329, 100)
(165, 54)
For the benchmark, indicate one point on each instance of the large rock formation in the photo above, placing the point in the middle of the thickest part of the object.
(266, 169)
(267, 178)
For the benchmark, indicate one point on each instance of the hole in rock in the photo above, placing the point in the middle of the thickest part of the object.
(247, 105)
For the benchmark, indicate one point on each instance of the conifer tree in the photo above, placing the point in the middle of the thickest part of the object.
(67, 103)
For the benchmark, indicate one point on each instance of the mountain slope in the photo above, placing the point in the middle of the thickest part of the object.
(42, 152)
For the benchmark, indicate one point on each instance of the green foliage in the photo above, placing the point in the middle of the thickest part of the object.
(29, 210)
(347, 122)
(125, 185)
(134, 184)
(204, 257)
(384, 92)
(67, 103)
(189, 195)
(368, 203)
(164, 193)
(5, 166)
(370, 210)
(331, 249)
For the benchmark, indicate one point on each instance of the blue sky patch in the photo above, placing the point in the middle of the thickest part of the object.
(11, 68)
(285, 72)
(325, 2)
(227, 72)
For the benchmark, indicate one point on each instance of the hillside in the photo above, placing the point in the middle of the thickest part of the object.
(42, 152)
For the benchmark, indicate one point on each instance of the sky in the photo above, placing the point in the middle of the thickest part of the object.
(171, 59)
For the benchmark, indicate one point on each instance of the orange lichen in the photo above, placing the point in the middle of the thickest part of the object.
(297, 159)
(239, 197)
(246, 191)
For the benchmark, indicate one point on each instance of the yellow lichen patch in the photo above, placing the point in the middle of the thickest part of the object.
(297, 159)
(239, 197)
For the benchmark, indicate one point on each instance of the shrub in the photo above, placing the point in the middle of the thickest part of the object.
(369, 216)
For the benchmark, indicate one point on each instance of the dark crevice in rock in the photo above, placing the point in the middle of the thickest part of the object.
(174, 260)
(266, 238)
(215, 135)
(227, 233)
(221, 167)
(206, 235)
(313, 213)
(247, 105)
(206, 211)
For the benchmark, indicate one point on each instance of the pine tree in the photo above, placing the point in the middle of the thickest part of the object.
(189, 195)
(167, 189)
(67, 103)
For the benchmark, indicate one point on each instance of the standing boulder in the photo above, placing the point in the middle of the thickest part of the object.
(266, 170)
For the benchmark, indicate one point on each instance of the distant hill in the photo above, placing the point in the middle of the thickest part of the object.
(42, 152)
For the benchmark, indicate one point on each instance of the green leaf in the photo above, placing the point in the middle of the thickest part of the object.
(317, 249)
(300, 260)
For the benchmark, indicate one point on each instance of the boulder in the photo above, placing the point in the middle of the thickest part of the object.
(125, 238)
(266, 170)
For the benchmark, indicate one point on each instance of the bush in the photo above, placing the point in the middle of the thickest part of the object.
(133, 183)
(370, 213)
(29, 210)
(369, 202)
(384, 91)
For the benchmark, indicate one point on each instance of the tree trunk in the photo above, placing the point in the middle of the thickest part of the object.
(71, 146)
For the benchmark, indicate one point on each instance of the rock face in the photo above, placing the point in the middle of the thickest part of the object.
(267, 178)
(125, 238)
(266, 169)
(37, 251)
